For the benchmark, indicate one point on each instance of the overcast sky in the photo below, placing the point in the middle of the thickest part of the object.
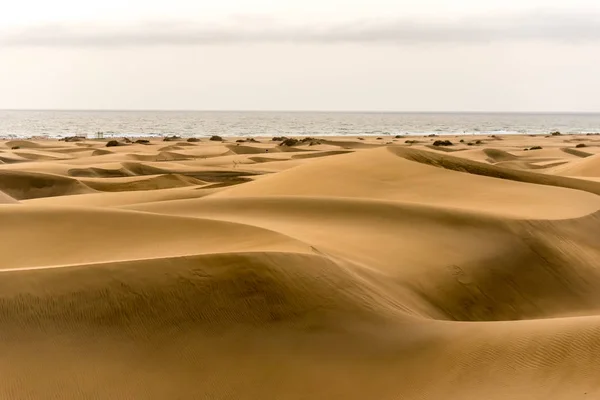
(380, 55)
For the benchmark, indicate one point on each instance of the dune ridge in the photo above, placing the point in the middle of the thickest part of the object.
(348, 269)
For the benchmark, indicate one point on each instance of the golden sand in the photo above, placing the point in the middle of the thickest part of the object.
(346, 269)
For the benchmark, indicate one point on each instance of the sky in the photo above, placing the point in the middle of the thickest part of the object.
(331, 55)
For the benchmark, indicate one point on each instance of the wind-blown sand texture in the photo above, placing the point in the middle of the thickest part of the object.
(338, 268)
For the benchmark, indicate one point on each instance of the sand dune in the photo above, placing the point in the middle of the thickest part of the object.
(128, 184)
(458, 164)
(348, 269)
(10, 158)
(115, 199)
(101, 152)
(29, 185)
(587, 167)
(496, 155)
(36, 155)
(390, 176)
(576, 152)
(26, 144)
(95, 172)
(239, 149)
(70, 235)
(320, 154)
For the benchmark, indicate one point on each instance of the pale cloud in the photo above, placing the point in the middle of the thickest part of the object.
(435, 55)
(530, 26)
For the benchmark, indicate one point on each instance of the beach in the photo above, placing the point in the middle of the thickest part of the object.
(391, 267)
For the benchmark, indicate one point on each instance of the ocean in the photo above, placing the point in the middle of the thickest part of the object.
(56, 124)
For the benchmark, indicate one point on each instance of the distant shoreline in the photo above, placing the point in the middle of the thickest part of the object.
(303, 111)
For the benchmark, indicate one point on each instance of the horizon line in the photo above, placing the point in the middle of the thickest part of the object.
(295, 111)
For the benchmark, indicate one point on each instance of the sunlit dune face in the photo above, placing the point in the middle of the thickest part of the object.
(173, 268)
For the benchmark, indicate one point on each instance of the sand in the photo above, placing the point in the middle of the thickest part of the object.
(337, 269)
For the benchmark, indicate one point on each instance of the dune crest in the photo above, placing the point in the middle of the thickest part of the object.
(326, 269)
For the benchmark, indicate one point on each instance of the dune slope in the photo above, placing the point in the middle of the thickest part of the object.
(345, 270)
